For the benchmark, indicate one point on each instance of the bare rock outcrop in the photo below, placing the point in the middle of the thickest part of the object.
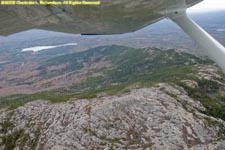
(160, 118)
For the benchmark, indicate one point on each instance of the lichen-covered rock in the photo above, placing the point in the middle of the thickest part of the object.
(158, 118)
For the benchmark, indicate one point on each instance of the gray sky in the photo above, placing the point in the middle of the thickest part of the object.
(208, 5)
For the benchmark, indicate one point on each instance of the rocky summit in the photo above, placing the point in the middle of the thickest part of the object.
(161, 117)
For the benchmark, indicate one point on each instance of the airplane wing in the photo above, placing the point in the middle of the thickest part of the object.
(110, 17)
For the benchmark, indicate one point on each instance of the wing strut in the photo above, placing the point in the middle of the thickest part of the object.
(206, 42)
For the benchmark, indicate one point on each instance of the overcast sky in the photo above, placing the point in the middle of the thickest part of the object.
(208, 5)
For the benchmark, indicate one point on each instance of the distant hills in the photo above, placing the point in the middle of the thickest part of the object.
(31, 72)
(105, 69)
(112, 97)
(163, 34)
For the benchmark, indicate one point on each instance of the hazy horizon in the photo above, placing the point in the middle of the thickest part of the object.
(208, 5)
